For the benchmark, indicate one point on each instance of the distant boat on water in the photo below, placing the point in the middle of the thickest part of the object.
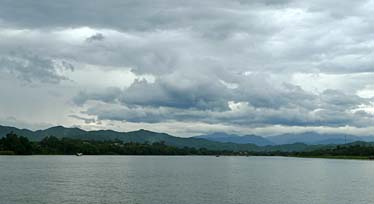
(78, 154)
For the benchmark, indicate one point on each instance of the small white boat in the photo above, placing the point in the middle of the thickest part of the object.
(78, 154)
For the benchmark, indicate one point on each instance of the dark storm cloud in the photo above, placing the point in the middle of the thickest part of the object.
(178, 92)
(247, 115)
(253, 104)
(206, 92)
(183, 94)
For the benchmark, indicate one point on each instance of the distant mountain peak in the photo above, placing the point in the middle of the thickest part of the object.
(313, 138)
(60, 127)
(233, 138)
(222, 134)
(144, 131)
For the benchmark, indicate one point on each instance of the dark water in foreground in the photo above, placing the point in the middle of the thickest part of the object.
(195, 179)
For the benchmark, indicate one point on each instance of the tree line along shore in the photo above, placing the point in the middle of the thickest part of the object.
(14, 144)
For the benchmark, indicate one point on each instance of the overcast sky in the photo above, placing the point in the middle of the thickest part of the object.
(188, 67)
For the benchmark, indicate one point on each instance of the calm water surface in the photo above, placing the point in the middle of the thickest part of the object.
(195, 179)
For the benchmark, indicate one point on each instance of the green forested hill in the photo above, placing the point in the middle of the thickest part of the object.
(144, 136)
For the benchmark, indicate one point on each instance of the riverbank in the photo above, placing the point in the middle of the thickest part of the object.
(338, 157)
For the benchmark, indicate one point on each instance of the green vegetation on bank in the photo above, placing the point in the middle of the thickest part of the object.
(338, 157)
(356, 150)
(13, 144)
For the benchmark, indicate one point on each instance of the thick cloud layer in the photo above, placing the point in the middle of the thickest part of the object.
(239, 64)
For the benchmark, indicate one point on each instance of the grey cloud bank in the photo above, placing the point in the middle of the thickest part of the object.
(220, 64)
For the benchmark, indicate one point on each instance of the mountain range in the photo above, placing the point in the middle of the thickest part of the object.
(246, 139)
(139, 136)
(310, 138)
(214, 141)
